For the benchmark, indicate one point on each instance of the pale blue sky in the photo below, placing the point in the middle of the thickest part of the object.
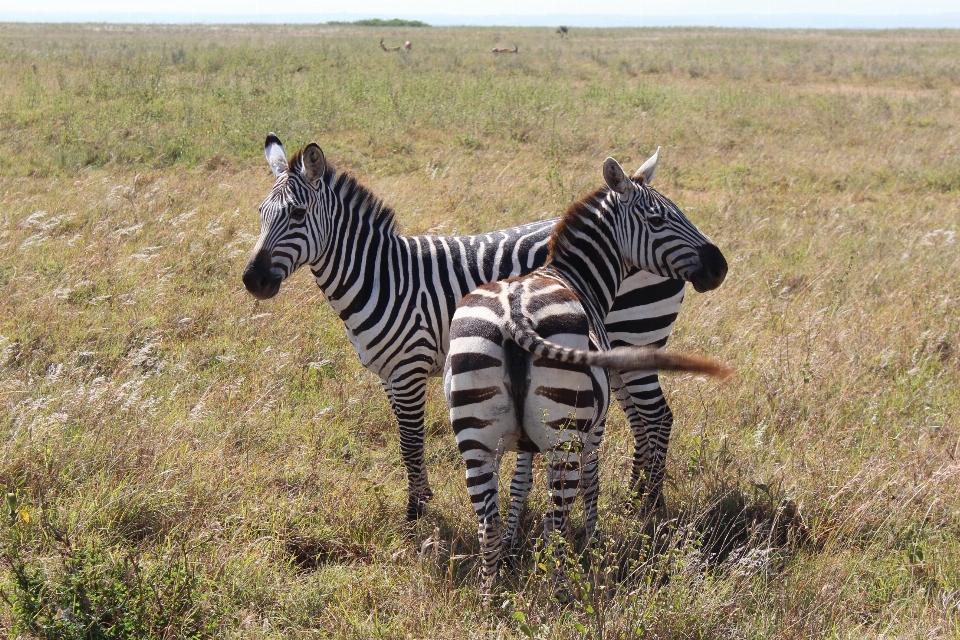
(488, 7)
(730, 13)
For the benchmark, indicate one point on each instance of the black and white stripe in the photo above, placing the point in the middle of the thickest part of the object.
(528, 356)
(396, 294)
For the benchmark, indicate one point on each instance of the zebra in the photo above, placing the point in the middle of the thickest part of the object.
(396, 294)
(526, 368)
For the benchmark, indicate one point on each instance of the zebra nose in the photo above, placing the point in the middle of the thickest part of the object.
(258, 279)
(712, 271)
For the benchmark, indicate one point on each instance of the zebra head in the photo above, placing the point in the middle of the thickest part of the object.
(656, 236)
(289, 233)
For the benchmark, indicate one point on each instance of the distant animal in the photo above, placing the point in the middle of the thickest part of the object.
(527, 365)
(504, 50)
(406, 46)
(563, 31)
(396, 295)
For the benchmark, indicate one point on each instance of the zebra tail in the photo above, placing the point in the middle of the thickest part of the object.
(620, 358)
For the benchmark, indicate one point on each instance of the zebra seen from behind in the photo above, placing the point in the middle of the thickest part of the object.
(526, 370)
(396, 294)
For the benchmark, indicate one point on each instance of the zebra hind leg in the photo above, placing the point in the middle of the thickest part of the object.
(407, 399)
(519, 490)
(563, 482)
(590, 480)
(482, 484)
(591, 493)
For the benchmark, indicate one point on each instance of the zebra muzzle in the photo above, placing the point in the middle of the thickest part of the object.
(259, 279)
(712, 271)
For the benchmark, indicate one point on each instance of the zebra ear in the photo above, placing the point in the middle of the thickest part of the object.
(615, 178)
(276, 157)
(645, 173)
(314, 164)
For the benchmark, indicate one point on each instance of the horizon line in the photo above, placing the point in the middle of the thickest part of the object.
(946, 20)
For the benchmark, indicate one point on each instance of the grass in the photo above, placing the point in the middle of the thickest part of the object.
(179, 459)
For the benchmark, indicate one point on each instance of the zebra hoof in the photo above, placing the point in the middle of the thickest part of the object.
(417, 506)
(652, 503)
(415, 510)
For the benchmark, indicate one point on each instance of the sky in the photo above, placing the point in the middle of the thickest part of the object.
(448, 12)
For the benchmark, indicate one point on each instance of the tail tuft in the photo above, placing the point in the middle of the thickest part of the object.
(627, 358)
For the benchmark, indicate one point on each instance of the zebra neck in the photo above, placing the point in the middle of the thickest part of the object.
(351, 276)
(586, 259)
(361, 244)
(596, 292)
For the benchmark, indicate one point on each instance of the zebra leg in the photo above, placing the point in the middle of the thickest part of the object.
(563, 481)
(659, 435)
(519, 490)
(591, 493)
(407, 397)
(591, 482)
(651, 422)
(482, 486)
(641, 449)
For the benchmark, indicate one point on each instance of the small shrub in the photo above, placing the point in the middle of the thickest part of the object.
(92, 594)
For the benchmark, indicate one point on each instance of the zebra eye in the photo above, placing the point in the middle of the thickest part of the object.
(297, 214)
(655, 218)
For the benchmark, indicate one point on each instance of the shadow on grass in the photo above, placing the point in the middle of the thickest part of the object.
(735, 527)
(309, 552)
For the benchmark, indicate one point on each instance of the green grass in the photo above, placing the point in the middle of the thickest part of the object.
(179, 459)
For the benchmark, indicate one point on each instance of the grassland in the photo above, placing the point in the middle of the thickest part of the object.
(179, 459)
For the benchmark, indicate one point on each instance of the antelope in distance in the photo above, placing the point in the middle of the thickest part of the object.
(499, 50)
(406, 46)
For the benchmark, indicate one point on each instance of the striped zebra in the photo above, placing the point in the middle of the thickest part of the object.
(526, 368)
(396, 294)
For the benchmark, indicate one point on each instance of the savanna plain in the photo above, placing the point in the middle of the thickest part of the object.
(178, 459)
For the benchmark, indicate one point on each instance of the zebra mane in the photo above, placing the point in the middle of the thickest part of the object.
(574, 219)
(350, 190)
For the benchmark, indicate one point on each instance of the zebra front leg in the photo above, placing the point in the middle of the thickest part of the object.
(519, 490)
(658, 434)
(407, 397)
(641, 449)
(651, 422)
